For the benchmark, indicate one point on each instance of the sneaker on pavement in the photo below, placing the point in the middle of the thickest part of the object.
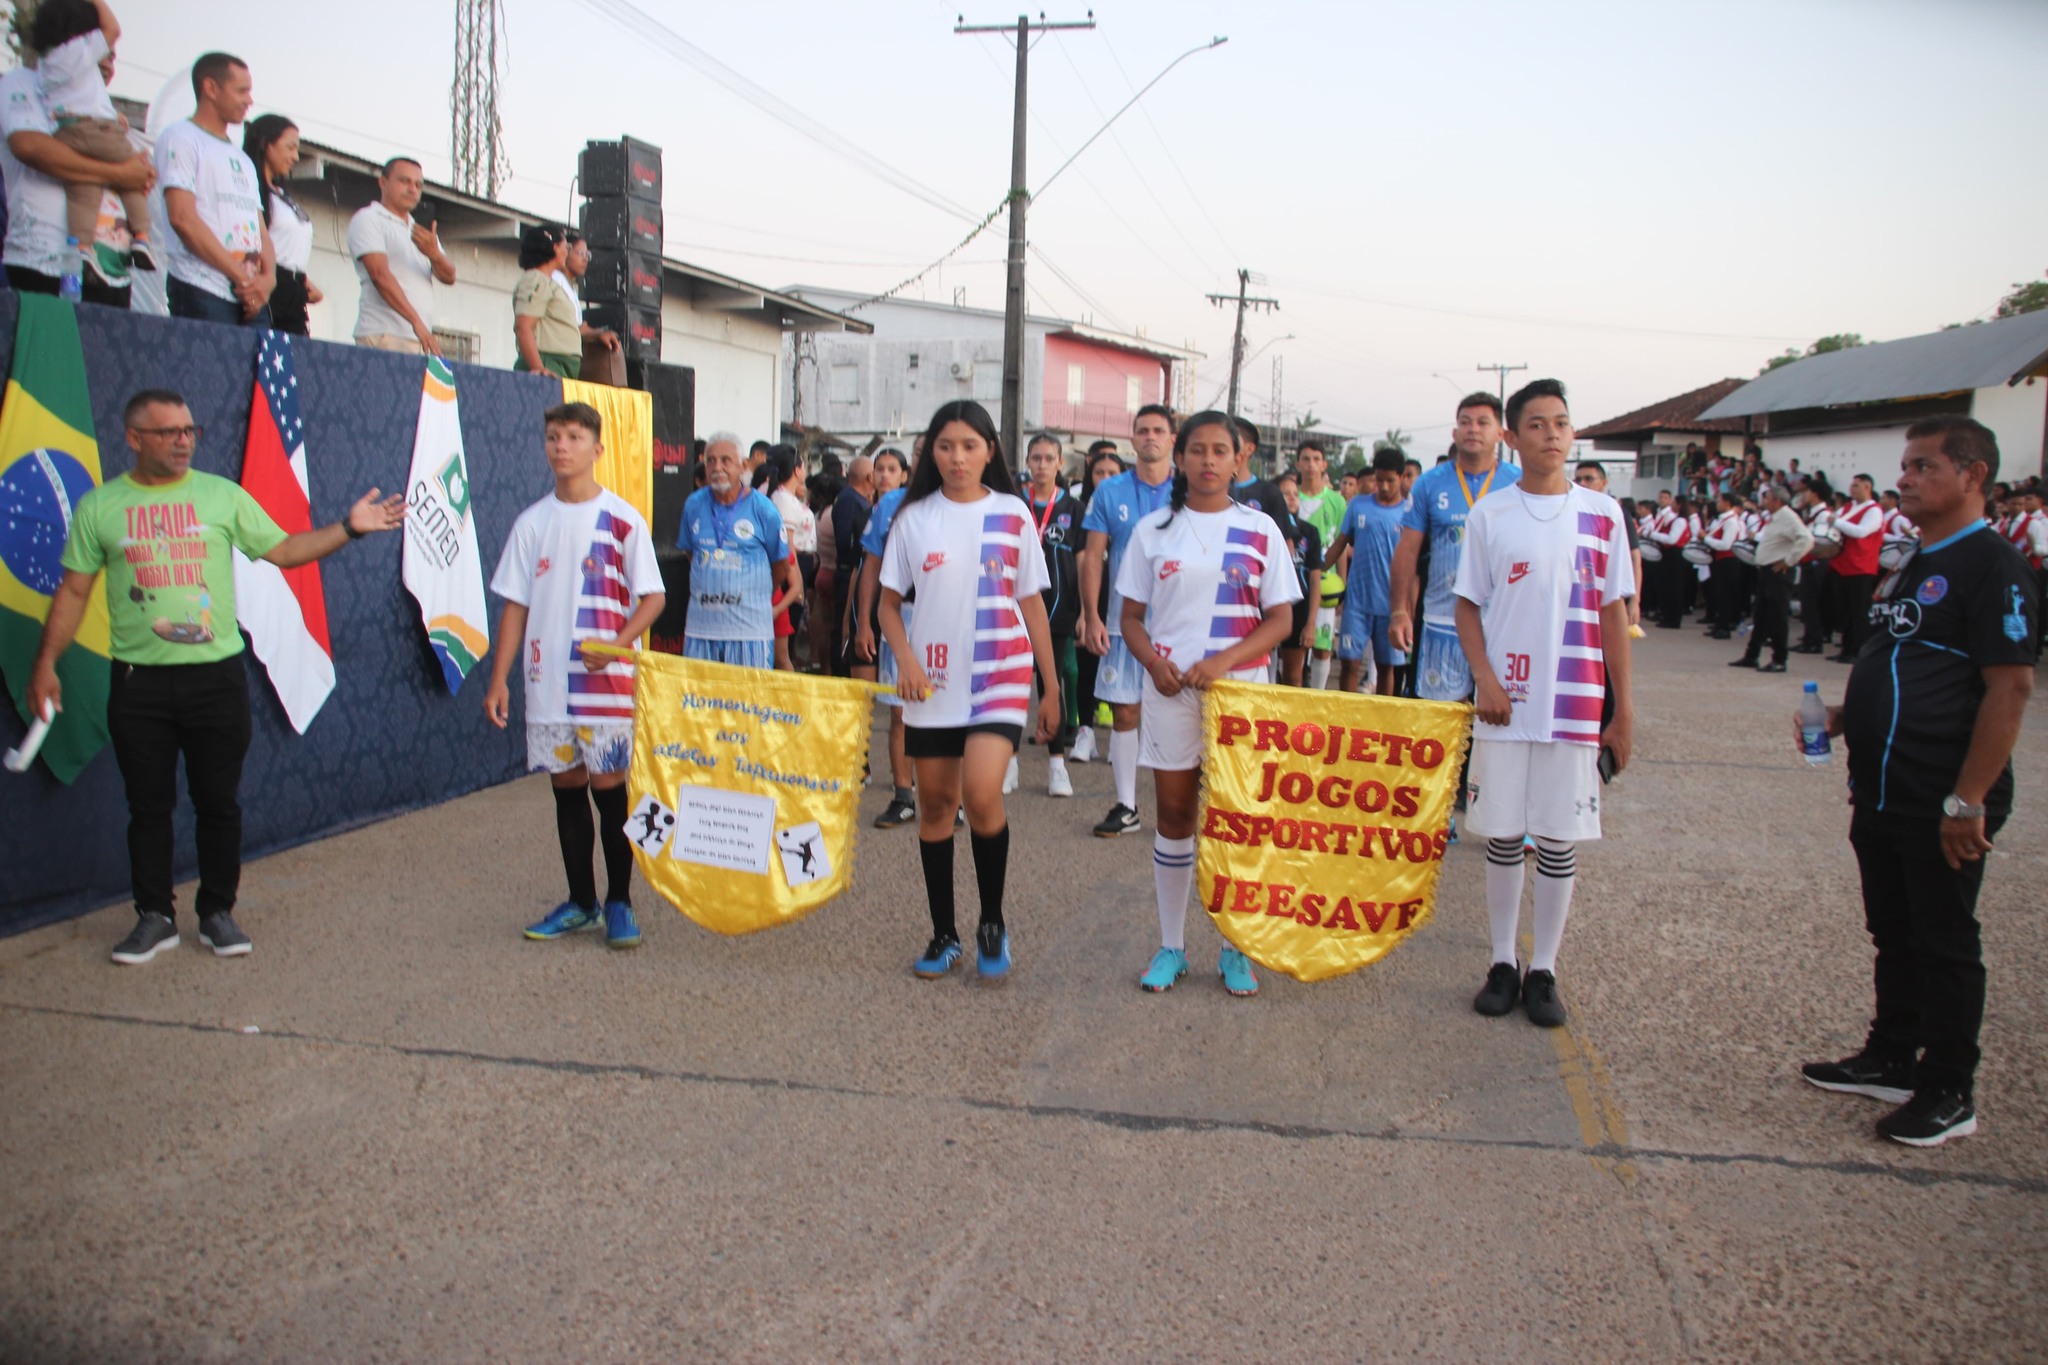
(220, 933)
(1930, 1118)
(1774, 667)
(1084, 745)
(620, 929)
(566, 918)
(151, 935)
(941, 955)
(895, 813)
(1878, 1077)
(992, 951)
(1010, 776)
(1236, 970)
(1168, 966)
(1058, 782)
(1503, 987)
(1540, 1002)
(1120, 820)
(1451, 830)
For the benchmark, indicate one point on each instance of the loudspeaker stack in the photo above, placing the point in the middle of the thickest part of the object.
(621, 219)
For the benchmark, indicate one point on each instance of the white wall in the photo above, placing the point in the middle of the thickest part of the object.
(1842, 454)
(2018, 416)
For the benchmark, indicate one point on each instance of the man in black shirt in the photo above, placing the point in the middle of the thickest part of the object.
(1932, 712)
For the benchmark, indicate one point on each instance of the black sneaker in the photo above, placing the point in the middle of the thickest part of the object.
(1744, 662)
(1863, 1074)
(141, 257)
(152, 934)
(1503, 986)
(1120, 820)
(1775, 667)
(1929, 1119)
(1540, 1002)
(221, 933)
(895, 813)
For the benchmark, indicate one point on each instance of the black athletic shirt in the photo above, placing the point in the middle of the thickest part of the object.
(1954, 608)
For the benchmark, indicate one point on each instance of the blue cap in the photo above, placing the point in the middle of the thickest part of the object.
(1812, 687)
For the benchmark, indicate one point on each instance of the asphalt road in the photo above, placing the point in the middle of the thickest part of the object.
(401, 1132)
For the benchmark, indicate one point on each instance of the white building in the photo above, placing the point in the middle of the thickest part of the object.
(1846, 412)
(728, 331)
(923, 354)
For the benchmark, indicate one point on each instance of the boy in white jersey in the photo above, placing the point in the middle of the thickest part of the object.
(1542, 615)
(1208, 588)
(579, 566)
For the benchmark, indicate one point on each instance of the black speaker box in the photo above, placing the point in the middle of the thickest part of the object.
(620, 224)
(639, 328)
(627, 167)
(623, 277)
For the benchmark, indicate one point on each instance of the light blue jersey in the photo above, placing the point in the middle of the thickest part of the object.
(1374, 528)
(732, 588)
(875, 539)
(1121, 501)
(1437, 507)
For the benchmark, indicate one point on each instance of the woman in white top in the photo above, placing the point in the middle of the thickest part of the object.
(272, 142)
(963, 541)
(782, 478)
(1208, 587)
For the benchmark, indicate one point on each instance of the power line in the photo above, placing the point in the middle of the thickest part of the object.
(1200, 203)
(635, 20)
(1312, 287)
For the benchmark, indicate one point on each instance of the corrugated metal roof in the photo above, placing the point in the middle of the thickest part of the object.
(1961, 358)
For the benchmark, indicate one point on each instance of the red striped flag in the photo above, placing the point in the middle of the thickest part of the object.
(283, 610)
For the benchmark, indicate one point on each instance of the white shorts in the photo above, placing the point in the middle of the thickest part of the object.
(1118, 679)
(1170, 730)
(604, 746)
(1518, 786)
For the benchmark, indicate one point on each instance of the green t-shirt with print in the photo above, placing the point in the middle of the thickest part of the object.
(168, 553)
(1325, 512)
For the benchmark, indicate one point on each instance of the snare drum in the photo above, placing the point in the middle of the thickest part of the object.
(1652, 551)
(1745, 552)
(1697, 553)
(1827, 542)
(1895, 552)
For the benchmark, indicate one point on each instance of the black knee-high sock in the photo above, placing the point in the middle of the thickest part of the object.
(618, 849)
(937, 856)
(991, 866)
(579, 840)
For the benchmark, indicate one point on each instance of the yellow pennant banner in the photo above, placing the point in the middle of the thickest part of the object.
(745, 787)
(1327, 816)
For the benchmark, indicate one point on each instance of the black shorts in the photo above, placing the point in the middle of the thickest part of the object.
(950, 741)
(1304, 612)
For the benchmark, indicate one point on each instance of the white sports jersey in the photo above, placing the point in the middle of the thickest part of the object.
(970, 563)
(577, 568)
(1540, 569)
(1208, 579)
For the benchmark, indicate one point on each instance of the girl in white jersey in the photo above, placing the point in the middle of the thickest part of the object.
(1208, 587)
(964, 542)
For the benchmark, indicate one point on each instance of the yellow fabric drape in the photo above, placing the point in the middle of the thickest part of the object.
(628, 464)
(745, 787)
(1324, 833)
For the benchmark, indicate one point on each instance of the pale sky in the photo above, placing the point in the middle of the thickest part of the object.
(1635, 198)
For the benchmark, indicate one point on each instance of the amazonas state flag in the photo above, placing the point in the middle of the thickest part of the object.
(49, 461)
(284, 610)
(441, 567)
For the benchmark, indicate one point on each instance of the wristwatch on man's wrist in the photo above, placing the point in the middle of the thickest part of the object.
(1955, 808)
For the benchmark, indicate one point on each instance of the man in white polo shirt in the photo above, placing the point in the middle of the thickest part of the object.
(218, 254)
(397, 262)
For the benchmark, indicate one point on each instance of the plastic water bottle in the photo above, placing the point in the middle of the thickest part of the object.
(71, 284)
(1814, 744)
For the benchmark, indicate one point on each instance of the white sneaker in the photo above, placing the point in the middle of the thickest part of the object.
(1010, 776)
(1057, 783)
(1084, 745)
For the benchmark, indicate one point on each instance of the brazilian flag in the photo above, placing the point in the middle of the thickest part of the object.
(49, 461)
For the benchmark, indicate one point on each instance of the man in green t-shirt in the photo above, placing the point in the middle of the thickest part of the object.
(165, 536)
(1322, 506)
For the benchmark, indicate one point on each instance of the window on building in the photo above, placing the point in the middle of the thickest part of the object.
(456, 346)
(846, 383)
(1134, 393)
(1077, 385)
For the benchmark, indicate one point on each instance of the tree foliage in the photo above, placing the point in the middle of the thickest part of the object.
(1395, 439)
(1840, 341)
(2024, 298)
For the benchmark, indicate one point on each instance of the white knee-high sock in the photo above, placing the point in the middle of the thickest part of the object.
(1319, 672)
(1557, 867)
(1504, 894)
(1173, 876)
(1123, 765)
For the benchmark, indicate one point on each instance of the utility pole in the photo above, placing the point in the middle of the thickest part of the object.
(1279, 417)
(1244, 281)
(476, 140)
(1503, 371)
(1020, 198)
